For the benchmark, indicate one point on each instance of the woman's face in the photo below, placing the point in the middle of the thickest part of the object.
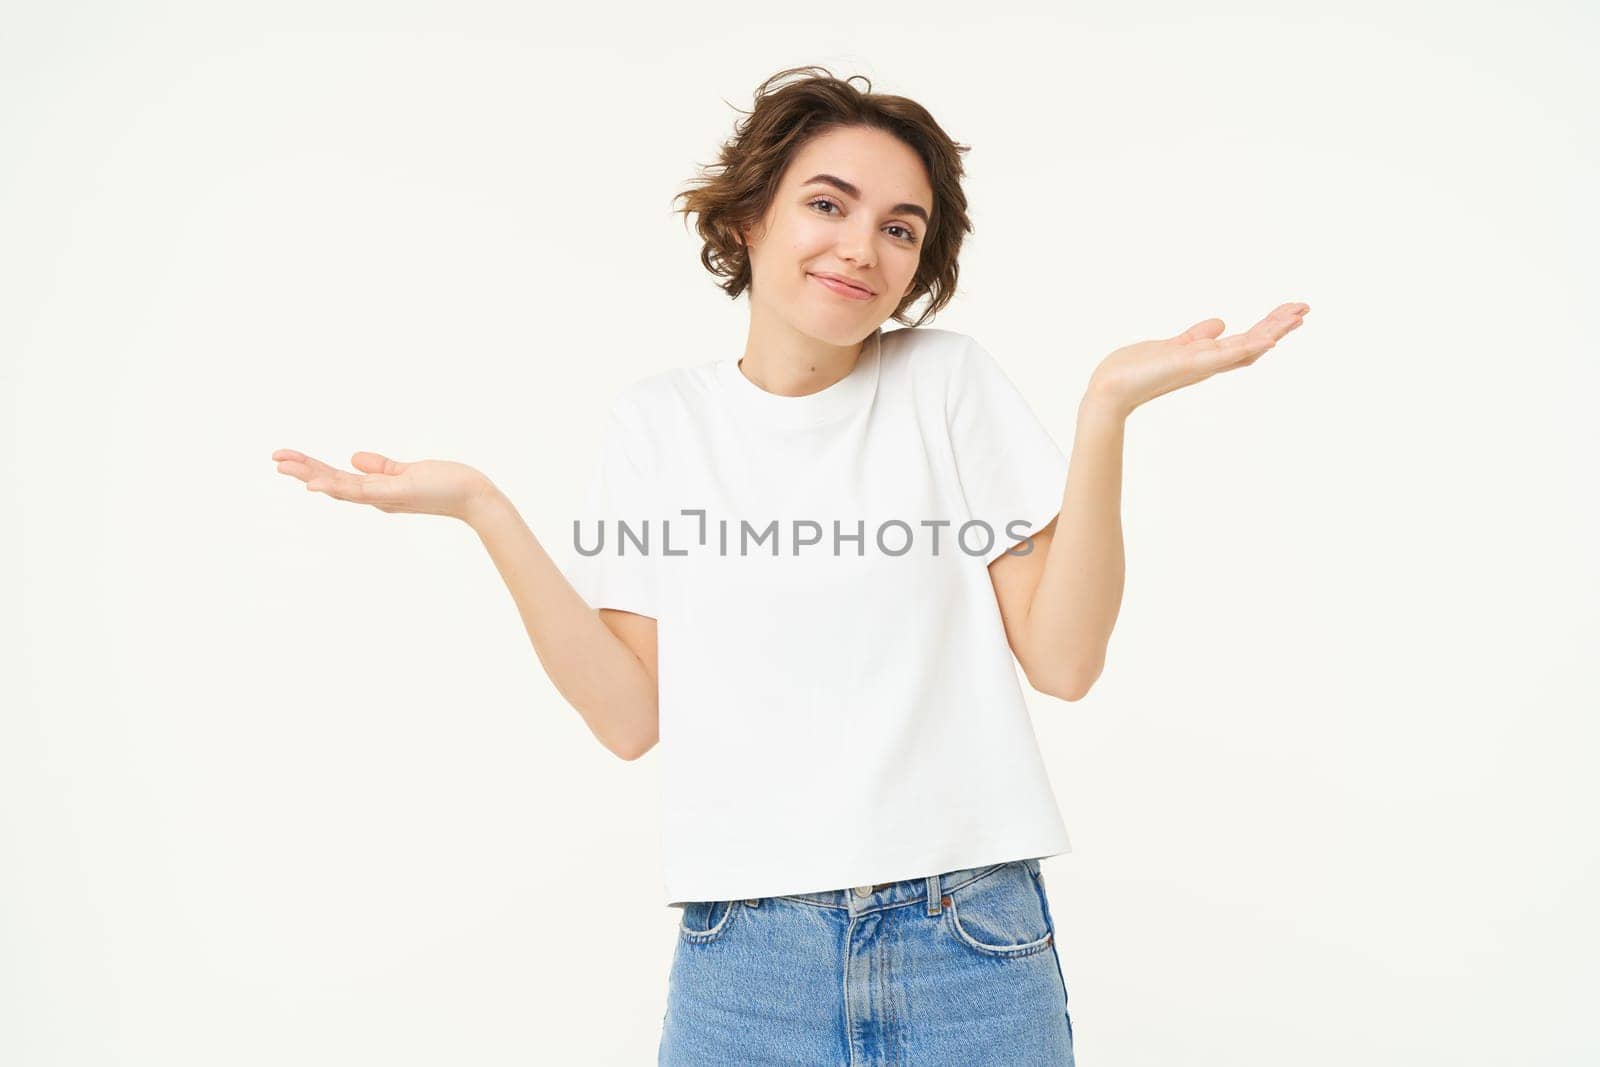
(870, 233)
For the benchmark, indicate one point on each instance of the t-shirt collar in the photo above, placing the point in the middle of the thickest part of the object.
(849, 394)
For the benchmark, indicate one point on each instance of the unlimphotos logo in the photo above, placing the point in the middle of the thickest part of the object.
(891, 537)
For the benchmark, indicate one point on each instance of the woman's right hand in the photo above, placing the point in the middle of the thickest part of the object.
(425, 487)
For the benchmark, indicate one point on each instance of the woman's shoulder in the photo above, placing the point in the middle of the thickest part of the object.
(926, 339)
(652, 401)
(946, 361)
(932, 348)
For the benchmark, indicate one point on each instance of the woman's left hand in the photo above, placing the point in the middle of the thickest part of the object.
(1139, 373)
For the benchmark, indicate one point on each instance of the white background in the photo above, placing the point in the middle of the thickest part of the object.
(281, 780)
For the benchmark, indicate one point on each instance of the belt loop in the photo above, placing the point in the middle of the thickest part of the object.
(933, 894)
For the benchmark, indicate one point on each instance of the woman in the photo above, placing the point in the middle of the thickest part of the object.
(857, 540)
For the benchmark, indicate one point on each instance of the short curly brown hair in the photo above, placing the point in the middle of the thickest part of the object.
(735, 192)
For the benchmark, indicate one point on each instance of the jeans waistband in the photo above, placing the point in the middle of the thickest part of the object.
(931, 888)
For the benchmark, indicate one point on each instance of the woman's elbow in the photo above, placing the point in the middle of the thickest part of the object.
(634, 748)
(1072, 684)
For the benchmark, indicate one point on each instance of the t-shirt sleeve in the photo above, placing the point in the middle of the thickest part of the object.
(620, 491)
(1011, 470)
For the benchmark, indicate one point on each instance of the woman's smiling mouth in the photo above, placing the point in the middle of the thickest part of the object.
(844, 289)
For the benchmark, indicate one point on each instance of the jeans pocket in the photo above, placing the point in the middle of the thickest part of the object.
(999, 914)
(704, 921)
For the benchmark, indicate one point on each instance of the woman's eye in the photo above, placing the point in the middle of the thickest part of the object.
(907, 236)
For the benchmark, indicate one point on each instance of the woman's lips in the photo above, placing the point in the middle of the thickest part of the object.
(849, 292)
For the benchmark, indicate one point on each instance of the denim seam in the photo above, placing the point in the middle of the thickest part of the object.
(1008, 952)
(982, 874)
(711, 933)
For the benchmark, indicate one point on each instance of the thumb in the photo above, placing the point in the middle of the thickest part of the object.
(1209, 329)
(373, 463)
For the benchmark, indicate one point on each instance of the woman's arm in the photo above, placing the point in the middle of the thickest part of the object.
(1060, 602)
(608, 675)
(604, 664)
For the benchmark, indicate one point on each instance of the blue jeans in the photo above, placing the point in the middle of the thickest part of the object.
(955, 968)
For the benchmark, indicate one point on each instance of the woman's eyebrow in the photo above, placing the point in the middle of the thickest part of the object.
(851, 191)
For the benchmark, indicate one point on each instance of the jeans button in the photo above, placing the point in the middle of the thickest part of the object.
(863, 890)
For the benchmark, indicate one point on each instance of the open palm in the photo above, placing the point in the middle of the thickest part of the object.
(1141, 372)
(426, 487)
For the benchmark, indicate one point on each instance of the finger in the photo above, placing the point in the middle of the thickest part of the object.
(342, 485)
(1229, 352)
(1205, 329)
(1242, 349)
(293, 463)
(1283, 318)
(1213, 355)
(374, 489)
(1279, 321)
(374, 463)
(305, 467)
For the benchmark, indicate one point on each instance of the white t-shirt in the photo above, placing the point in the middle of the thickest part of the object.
(832, 714)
